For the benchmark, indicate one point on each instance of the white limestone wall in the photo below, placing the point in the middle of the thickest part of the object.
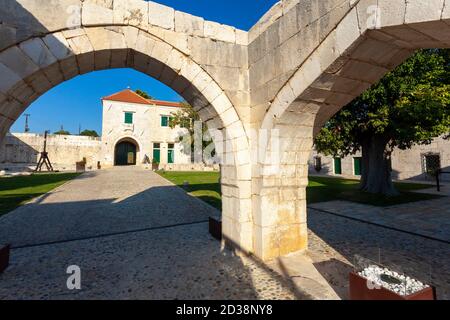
(145, 130)
(21, 150)
(406, 164)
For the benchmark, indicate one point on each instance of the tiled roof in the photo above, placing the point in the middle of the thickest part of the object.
(132, 97)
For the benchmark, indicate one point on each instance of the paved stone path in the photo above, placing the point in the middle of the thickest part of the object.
(430, 218)
(334, 242)
(163, 250)
(165, 260)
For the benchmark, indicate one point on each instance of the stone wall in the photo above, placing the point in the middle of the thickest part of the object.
(19, 151)
(406, 164)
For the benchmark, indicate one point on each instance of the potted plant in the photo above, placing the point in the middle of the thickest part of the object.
(155, 165)
(4, 257)
(375, 282)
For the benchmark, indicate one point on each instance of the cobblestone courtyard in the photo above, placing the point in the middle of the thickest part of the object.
(146, 239)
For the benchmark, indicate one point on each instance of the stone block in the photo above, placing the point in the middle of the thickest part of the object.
(219, 32)
(422, 11)
(161, 16)
(347, 32)
(241, 37)
(392, 13)
(47, 16)
(131, 12)
(39, 82)
(212, 91)
(161, 51)
(368, 15)
(80, 44)
(37, 51)
(176, 60)
(8, 78)
(189, 24)
(58, 45)
(16, 60)
(97, 12)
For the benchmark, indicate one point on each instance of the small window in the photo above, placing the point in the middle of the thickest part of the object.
(166, 121)
(171, 153)
(157, 145)
(337, 166)
(357, 166)
(128, 117)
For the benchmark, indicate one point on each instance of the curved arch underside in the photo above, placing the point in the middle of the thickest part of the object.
(299, 65)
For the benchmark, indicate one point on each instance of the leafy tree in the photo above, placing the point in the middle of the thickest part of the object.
(63, 132)
(410, 105)
(143, 94)
(187, 118)
(89, 133)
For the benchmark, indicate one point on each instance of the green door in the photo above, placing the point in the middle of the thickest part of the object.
(171, 153)
(125, 154)
(156, 153)
(357, 162)
(337, 166)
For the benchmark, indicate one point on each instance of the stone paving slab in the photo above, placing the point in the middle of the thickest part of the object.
(430, 218)
(174, 263)
(334, 241)
(102, 202)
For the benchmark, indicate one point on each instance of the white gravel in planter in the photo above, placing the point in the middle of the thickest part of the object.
(405, 286)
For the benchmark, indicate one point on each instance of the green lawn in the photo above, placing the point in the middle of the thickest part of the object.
(15, 191)
(205, 185)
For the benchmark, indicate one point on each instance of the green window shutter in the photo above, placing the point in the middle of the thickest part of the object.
(171, 156)
(357, 162)
(164, 121)
(128, 117)
(337, 166)
(157, 155)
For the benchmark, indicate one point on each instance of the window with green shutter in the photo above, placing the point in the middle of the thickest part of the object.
(171, 153)
(357, 163)
(156, 152)
(164, 121)
(337, 166)
(128, 117)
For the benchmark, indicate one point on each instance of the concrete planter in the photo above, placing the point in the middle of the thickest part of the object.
(360, 290)
(4, 257)
(215, 228)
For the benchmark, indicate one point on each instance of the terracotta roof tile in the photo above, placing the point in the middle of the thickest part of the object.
(132, 97)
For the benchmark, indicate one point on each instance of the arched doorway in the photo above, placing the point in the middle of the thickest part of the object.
(125, 153)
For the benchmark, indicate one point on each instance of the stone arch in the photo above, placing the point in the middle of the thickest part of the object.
(33, 66)
(352, 57)
(130, 139)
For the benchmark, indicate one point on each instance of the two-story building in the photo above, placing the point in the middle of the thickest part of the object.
(137, 131)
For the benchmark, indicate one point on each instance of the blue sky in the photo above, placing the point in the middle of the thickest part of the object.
(77, 103)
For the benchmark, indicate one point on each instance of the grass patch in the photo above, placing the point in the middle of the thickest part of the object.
(205, 185)
(15, 191)
(322, 189)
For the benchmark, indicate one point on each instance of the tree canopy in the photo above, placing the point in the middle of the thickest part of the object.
(62, 132)
(143, 94)
(89, 133)
(410, 105)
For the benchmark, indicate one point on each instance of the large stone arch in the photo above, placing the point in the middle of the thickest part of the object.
(45, 51)
(370, 39)
(301, 63)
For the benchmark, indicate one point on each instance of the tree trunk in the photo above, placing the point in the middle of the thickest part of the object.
(376, 167)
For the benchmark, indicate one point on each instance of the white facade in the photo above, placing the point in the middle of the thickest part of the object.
(145, 130)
